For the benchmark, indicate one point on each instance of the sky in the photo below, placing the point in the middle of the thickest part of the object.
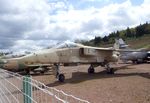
(34, 24)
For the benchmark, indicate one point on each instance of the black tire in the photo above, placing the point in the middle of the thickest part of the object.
(42, 72)
(138, 62)
(35, 72)
(134, 61)
(61, 77)
(111, 71)
(27, 71)
(91, 70)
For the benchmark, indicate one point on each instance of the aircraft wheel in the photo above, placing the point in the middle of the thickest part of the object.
(134, 61)
(61, 77)
(137, 62)
(111, 71)
(27, 71)
(91, 70)
(42, 72)
(35, 72)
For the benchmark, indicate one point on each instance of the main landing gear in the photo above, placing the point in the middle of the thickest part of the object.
(109, 70)
(91, 69)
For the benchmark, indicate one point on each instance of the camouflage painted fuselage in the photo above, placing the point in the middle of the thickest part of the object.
(64, 56)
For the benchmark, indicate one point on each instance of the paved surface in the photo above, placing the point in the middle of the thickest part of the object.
(129, 84)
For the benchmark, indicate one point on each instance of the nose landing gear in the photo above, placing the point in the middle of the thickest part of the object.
(59, 76)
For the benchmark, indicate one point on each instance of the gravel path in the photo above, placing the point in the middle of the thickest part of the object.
(129, 84)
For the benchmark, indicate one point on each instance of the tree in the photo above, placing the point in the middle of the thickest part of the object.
(105, 39)
(97, 40)
(146, 28)
(111, 35)
(139, 31)
(117, 34)
(128, 33)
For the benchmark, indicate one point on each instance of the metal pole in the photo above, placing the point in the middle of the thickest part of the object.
(27, 89)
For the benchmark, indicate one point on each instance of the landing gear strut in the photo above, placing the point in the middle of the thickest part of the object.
(59, 76)
(109, 69)
(91, 69)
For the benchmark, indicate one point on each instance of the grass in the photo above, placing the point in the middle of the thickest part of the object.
(135, 43)
(142, 42)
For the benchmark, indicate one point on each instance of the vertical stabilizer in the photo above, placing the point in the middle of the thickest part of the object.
(120, 44)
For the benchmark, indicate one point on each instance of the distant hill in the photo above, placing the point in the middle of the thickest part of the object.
(137, 37)
(136, 43)
(141, 42)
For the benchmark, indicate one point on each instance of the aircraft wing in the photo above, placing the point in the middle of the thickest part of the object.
(39, 65)
(95, 51)
(102, 49)
(128, 50)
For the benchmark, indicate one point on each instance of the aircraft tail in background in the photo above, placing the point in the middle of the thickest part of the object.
(120, 44)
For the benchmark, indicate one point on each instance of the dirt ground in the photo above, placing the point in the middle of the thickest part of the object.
(129, 84)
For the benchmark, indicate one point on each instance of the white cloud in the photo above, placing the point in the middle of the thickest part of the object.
(20, 18)
(96, 0)
(36, 23)
(102, 20)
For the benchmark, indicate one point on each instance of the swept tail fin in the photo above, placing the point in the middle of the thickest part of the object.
(120, 44)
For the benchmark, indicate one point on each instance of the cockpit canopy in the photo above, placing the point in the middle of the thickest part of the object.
(67, 44)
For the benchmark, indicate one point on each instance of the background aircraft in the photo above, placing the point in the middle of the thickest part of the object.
(128, 54)
(66, 54)
(148, 56)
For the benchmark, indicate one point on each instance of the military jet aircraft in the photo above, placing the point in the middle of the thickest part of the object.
(128, 54)
(65, 54)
